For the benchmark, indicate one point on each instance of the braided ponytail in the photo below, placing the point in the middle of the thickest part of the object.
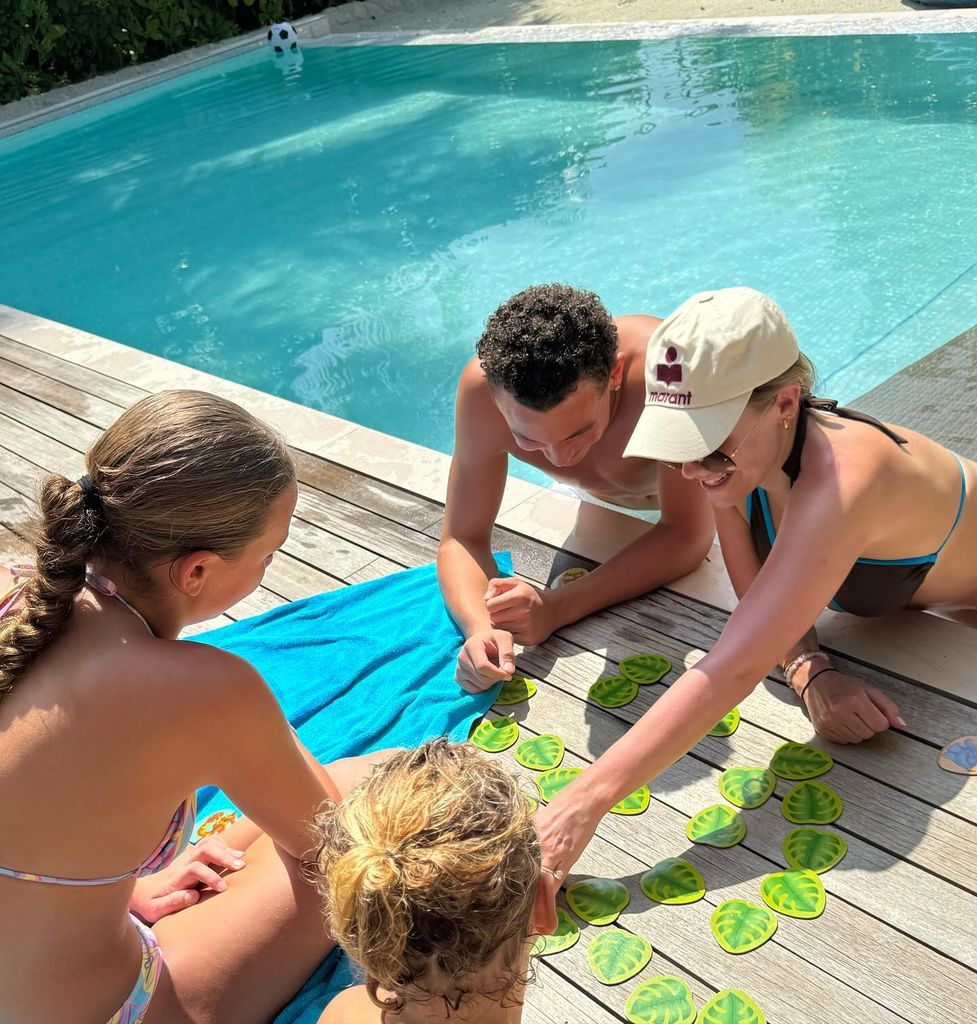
(65, 536)
(179, 471)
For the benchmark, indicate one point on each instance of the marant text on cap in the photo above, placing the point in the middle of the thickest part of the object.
(701, 367)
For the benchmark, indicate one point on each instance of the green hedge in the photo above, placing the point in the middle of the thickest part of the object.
(44, 43)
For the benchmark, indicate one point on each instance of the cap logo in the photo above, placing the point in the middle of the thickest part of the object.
(669, 372)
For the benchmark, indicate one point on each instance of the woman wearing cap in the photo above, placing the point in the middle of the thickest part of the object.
(804, 494)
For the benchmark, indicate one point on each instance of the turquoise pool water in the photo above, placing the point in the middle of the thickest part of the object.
(337, 233)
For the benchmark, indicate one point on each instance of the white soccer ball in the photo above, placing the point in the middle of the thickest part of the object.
(283, 38)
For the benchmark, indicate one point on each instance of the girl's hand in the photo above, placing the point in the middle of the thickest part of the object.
(178, 886)
(520, 608)
(844, 709)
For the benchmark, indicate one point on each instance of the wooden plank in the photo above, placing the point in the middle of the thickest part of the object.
(294, 579)
(38, 448)
(375, 570)
(94, 411)
(59, 425)
(869, 877)
(367, 492)
(94, 383)
(326, 551)
(895, 758)
(13, 549)
(399, 543)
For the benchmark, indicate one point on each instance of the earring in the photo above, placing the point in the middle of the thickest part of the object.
(787, 423)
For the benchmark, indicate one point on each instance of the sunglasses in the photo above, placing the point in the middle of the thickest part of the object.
(717, 461)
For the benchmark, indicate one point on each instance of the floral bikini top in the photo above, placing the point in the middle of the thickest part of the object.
(178, 832)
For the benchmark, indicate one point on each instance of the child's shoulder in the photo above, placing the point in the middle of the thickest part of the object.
(352, 1006)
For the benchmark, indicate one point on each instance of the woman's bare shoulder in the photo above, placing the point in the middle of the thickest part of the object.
(353, 1006)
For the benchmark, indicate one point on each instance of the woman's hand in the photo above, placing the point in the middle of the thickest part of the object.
(844, 709)
(565, 828)
(178, 886)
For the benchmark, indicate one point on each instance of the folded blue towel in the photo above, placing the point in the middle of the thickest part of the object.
(356, 670)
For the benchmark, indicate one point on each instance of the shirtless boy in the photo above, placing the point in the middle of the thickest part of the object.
(560, 385)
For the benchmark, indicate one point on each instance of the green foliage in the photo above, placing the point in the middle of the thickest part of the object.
(731, 1006)
(747, 787)
(598, 900)
(673, 881)
(541, 753)
(616, 955)
(45, 43)
(566, 935)
(814, 849)
(495, 734)
(661, 1000)
(740, 926)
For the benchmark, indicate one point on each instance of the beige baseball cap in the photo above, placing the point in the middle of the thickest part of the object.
(702, 365)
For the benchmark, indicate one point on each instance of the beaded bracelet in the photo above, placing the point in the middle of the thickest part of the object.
(802, 659)
(820, 672)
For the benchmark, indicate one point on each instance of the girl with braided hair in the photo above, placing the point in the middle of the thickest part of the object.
(107, 724)
(430, 872)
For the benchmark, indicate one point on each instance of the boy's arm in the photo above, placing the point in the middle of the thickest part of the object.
(476, 483)
(673, 547)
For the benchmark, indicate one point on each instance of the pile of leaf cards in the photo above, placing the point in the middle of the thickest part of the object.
(635, 670)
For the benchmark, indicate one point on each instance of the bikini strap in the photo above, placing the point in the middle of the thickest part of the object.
(960, 504)
(792, 465)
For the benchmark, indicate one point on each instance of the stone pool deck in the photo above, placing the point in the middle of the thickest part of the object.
(898, 940)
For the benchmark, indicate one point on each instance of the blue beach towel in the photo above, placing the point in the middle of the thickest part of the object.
(357, 670)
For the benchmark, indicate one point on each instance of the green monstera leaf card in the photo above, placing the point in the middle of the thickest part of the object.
(645, 668)
(516, 690)
(495, 734)
(747, 787)
(616, 955)
(811, 803)
(814, 849)
(731, 1006)
(661, 1000)
(551, 782)
(799, 761)
(541, 753)
(598, 900)
(717, 825)
(673, 881)
(740, 926)
(797, 893)
(634, 803)
(613, 692)
(566, 935)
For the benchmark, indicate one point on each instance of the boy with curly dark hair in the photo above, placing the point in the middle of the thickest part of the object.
(559, 384)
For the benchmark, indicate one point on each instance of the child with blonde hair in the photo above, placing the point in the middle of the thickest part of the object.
(430, 871)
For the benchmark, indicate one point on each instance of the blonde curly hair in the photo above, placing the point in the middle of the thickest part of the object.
(429, 872)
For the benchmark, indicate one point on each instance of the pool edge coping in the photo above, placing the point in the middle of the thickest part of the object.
(316, 31)
(917, 645)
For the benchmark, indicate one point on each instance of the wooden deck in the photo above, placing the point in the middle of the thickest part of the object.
(898, 939)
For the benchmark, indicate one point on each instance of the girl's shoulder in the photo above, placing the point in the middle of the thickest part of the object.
(352, 1006)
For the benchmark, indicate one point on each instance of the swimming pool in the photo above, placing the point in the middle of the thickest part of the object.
(337, 233)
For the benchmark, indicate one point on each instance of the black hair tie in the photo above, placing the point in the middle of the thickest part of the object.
(89, 494)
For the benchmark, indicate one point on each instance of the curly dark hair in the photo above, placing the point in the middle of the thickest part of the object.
(541, 343)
